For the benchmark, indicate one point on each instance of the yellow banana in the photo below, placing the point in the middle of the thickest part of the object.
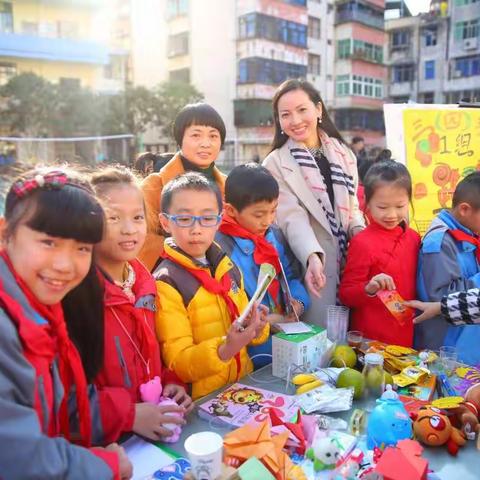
(302, 378)
(308, 386)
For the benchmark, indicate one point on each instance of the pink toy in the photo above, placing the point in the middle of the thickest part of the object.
(151, 392)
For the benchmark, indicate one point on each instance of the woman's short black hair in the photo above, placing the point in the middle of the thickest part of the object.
(386, 172)
(197, 114)
(248, 184)
(193, 181)
(68, 211)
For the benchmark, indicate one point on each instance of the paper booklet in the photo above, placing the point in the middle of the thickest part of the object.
(241, 404)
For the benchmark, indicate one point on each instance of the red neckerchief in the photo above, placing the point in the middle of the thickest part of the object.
(69, 362)
(461, 236)
(264, 252)
(216, 287)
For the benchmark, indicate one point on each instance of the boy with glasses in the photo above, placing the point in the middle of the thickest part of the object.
(201, 292)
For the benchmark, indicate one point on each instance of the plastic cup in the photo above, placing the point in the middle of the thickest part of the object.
(204, 450)
(448, 358)
(354, 338)
(337, 323)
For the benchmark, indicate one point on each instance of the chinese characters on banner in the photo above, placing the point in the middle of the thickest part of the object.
(442, 147)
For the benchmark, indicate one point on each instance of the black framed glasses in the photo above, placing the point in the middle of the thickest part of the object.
(185, 220)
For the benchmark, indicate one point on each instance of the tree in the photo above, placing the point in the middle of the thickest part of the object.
(172, 97)
(28, 103)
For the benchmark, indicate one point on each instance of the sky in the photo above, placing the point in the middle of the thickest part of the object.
(417, 6)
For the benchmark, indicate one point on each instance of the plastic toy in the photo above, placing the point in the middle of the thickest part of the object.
(433, 428)
(468, 412)
(324, 453)
(389, 422)
(151, 392)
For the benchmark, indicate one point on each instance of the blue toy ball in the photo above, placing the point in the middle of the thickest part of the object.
(388, 423)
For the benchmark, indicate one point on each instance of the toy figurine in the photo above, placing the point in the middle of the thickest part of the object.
(433, 428)
(324, 453)
(468, 412)
(151, 392)
(389, 422)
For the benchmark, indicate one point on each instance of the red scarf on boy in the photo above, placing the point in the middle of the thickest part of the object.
(264, 251)
(37, 342)
(461, 236)
(218, 287)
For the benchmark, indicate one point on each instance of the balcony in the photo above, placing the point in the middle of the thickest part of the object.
(52, 49)
(253, 113)
(361, 17)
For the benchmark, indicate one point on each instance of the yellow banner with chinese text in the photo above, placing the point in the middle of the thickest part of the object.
(442, 147)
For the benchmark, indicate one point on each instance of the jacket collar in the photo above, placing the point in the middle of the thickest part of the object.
(174, 167)
(217, 258)
(144, 285)
(452, 223)
(247, 246)
(293, 176)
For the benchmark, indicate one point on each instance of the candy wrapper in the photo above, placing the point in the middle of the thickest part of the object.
(395, 305)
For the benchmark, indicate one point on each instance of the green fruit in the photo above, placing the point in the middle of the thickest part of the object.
(388, 379)
(344, 356)
(351, 378)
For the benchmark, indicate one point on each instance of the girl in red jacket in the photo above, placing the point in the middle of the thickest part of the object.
(383, 256)
(52, 221)
(126, 347)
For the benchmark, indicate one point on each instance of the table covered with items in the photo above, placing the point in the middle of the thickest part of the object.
(373, 411)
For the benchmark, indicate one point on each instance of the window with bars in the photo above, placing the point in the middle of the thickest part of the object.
(402, 73)
(467, 29)
(313, 64)
(6, 17)
(314, 27)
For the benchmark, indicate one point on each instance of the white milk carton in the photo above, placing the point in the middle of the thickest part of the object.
(298, 349)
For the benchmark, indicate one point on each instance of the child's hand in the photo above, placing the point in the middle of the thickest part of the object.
(178, 394)
(314, 277)
(382, 281)
(149, 420)
(124, 466)
(237, 338)
(429, 309)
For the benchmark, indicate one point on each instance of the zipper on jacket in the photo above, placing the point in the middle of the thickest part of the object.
(123, 364)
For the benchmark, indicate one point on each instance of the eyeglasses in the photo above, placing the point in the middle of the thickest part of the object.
(186, 221)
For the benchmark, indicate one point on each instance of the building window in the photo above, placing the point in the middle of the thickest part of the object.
(176, 8)
(427, 97)
(344, 48)
(368, 51)
(356, 119)
(314, 27)
(363, 12)
(400, 99)
(467, 67)
(429, 69)
(301, 3)
(467, 29)
(7, 71)
(181, 75)
(463, 96)
(461, 3)
(430, 36)
(178, 44)
(359, 85)
(269, 72)
(257, 25)
(402, 73)
(343, 85)
(30, 28)
(252, 112)
(400, 39)
(313, 64)
(6, 17)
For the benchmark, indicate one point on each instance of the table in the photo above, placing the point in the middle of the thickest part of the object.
(466, 466)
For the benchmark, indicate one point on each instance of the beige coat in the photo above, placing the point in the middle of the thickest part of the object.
(305, 225)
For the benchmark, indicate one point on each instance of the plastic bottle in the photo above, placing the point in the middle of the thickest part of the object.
(374, 379)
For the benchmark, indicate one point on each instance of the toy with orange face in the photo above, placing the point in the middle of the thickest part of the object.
(432, 427)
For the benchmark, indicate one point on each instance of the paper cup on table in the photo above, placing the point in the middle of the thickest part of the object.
(204, 450)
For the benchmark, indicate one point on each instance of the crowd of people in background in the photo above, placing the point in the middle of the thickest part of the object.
(109, 284)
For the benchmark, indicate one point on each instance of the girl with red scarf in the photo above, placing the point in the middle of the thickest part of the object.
(52, 222)
(126, 353)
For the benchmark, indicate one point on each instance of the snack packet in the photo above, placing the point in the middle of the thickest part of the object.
(394, 303)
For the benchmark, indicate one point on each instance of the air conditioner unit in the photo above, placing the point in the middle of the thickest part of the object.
(470, 43)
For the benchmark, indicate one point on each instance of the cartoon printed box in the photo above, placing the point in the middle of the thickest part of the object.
(298, 349)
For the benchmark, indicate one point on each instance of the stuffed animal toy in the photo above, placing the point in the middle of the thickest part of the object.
(324, 453)
(151, 392)
(433, 428)
(468, 412)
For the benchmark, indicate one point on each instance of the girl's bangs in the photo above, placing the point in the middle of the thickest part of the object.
(67, 213)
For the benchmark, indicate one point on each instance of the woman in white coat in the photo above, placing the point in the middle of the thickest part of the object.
(317, 173)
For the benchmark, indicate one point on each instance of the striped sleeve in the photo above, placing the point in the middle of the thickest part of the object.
(462, 308)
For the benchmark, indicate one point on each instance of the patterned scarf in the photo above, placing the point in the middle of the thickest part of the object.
(339, 216)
